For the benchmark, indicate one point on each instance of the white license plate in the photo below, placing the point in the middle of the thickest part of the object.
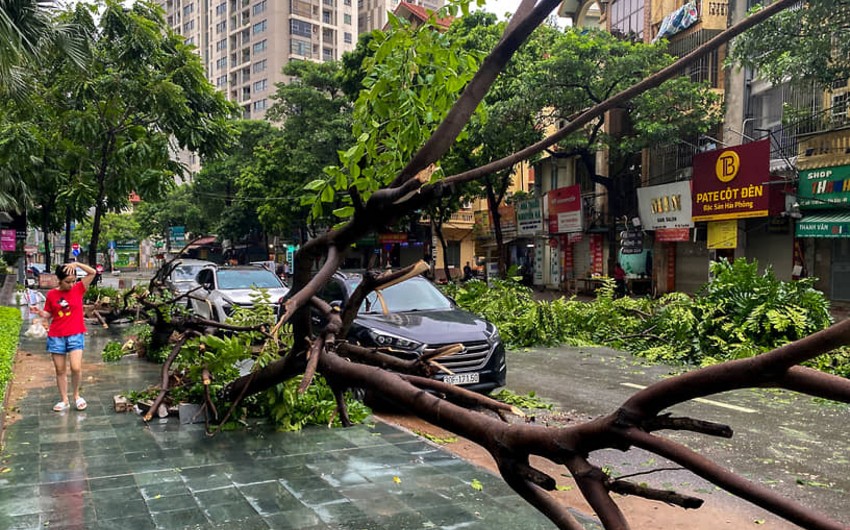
(461, 379)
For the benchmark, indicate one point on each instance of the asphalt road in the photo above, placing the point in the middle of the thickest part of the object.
(795, 444)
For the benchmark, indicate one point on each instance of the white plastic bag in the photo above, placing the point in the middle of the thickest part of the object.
(36, 329)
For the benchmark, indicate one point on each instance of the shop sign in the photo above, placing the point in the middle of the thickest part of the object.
(731, 183)
(529, 217)
(482, 228)
(597, 254)
(390, 239)
(672, 235)
(824, 187)
(7, 240)
(722, 234)
(665, 206)
(177, 233)
(538, 261)
(824, 225)
(631, 241)
(565, 210)
(129, 244)
(507, 221)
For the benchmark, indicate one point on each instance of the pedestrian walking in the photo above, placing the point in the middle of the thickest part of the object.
(66, 334)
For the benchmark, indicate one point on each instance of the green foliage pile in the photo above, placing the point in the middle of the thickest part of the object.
(112, 352)
(103, 294)
(223, 356)
(10, 328)
(740, 313)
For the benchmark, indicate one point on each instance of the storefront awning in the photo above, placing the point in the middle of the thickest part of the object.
(827, 224)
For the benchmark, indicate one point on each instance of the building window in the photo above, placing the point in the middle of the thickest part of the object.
(346, 37)
(261, 104)
(187, 10)
(189, 26)
(221, 81)
(259, 27)
(221, 9)
(300, 28)
(221, 64)
(326, 16)
(346, 18)
(260, 46)
(299, 47)
(259, 66)
(190, 41)
(627, 18)
(221, 27)
(261, 85)
(327, 54)
(221, 45)
(259, 8)
(346, 2)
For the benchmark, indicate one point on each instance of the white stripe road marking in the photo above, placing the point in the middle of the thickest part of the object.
(703, 400)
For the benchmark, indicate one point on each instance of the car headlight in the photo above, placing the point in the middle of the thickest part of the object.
(492, 334)
(388, 340)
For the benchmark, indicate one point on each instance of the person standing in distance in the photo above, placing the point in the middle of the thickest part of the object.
(66, 334)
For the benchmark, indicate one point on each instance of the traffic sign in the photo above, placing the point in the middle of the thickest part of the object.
(75, 246)
(99, 268)
(76, 251)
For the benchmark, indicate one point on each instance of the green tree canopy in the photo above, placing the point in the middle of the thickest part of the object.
(142, 95)
(222, 200)
(810, 43)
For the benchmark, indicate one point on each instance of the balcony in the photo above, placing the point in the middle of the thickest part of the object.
(824, 149)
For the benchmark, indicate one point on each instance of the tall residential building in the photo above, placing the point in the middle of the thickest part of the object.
(244, 44)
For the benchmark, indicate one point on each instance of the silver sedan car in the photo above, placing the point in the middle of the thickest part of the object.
(225, 288)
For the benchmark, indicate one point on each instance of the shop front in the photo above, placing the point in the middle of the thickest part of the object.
(666, 212)
(824, 200)
(735, 200)
(568, 250)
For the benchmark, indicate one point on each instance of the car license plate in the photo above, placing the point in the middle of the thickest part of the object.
(461, 379)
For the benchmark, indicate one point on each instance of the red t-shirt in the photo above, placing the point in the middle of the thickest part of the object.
(66, 310)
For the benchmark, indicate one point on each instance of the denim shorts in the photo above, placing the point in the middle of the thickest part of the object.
(64, 345)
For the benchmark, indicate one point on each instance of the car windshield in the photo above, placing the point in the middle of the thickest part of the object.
(185, 273)
(416, 294)
(246, 279)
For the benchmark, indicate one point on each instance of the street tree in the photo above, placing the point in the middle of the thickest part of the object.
(586, 67)
(314, 114)
(142, 95)
(508, 117)
(180, 207)
(113, 227)
(223, 201)
(29, 35)
(636, 423)
(808, 44)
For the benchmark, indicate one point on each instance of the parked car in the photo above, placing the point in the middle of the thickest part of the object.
(224, 288)
(34, 270)
(421, 318)
(182, 278)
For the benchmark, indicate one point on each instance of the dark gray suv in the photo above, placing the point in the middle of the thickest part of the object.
(421, 318)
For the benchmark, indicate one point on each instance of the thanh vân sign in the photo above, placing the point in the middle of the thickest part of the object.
(732, 183)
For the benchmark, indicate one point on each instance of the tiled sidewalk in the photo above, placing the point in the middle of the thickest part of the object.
(98, 469)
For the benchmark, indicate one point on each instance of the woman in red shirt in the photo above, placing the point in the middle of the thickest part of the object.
(66, 335)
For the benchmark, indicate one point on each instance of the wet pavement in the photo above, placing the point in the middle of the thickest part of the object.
(99, 469)
(791, 443)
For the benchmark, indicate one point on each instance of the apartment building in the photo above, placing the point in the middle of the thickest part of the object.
(245, 44)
